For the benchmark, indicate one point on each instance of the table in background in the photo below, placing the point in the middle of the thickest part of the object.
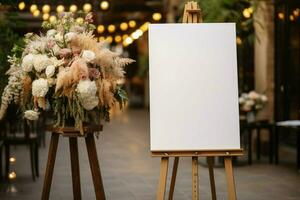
(289, 124)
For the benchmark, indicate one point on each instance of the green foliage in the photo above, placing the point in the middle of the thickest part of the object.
(121, 96)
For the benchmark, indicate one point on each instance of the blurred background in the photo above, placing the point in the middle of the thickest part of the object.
(268, 49)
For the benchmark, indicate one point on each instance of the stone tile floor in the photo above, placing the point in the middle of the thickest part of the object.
(130, 173)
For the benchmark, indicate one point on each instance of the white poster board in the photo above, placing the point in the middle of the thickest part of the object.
(193, 87)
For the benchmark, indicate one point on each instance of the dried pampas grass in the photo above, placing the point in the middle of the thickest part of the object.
(26, 89)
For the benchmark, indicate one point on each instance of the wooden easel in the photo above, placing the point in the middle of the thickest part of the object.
(192, 14)
(73, 134)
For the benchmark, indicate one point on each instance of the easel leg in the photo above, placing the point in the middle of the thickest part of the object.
(50, 166)
(210, 163)
(173, 180)
(75, 168)
(94, 164)
(230, 178)
(195, 182)
(163, 178)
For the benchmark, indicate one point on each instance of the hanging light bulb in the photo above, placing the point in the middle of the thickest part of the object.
(60, 8)
(12, 175)
(109, 39)
(33, 8)
(132, 23)
(12, 159)
(156, 16)
(101, 39)
(123, 26)
(46, 8)
(36, 13)
(46, 16)
(111, 28)
(73, 8)
(52, 18)
(21, 5)
(124, 36)
(281, 15)
(87, 7)
(104, 5)
(101, 29)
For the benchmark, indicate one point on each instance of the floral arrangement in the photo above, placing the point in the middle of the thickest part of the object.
(67, 71)
(252, 101)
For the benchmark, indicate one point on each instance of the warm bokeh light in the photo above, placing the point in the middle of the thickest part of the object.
(238, 40)
(101, 38)
(80, 20)
(109, 39)
(100, 29)
(246, 13)
(60, 8)
(21, 5)
(292, 18)
(281, 15)
(127, 41)
(250, 9)
(104, 5)
(36, 13)
(46, 16)
(12, 159)
(123, 26)
(118, 38)
(12, 175)
(73, 8)
(111, 28)
(124, 36)
(296, 12)
(145, 26)
(156, 16)
(87, 7)
(33, 8)
(132, 23)
(46, 8)
(52, 18)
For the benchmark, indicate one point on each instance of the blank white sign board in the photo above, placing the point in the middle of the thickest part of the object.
(193, 87)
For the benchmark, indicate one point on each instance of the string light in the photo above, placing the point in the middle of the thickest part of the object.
(118, 38)
(246, 13)
(102, 38)
(36, 13)
(12, 159)
(104, 5)
(127, 41)
(292, 18)
(124, 36)
(123, 26)
(33, 8)
(109, 39)
(296, 12)
(73, 8)
(60, 8)
(132, 23)
(87, 7)
(52, 18)
(111, 28)
(238, 40)
(156, 16)
(46, 16)
(281, 15)
(21, 5)
(100, 29)
(250, 9)
(46, 8)
(145, 26)
(12, 175)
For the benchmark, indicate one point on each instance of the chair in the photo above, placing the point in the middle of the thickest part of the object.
(259, 125)
(24, 137)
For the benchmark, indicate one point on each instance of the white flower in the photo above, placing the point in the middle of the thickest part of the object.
(87, 90)
(41, 62)
(40, 87)
(59, 37)
(69, 36)
(31, 115)
(253, 95)
(50, 70)
(55, 49)
(88, 56)
(51, 32)
(264, 98)
(27, 62)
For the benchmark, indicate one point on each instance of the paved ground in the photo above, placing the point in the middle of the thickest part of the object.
(130, 173)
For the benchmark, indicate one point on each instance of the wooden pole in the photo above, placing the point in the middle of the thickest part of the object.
(173, 179)
(163, 178)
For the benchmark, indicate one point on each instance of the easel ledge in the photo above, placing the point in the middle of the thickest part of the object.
(200, 153)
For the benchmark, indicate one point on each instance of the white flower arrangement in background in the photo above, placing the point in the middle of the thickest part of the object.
(252, 101)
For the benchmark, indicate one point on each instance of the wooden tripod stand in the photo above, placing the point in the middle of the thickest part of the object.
(73, 134)
(192, 14)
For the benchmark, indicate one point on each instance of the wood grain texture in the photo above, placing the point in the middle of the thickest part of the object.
(75, 168)
(195, 177)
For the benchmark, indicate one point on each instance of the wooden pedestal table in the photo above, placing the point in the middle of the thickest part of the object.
(73, 135)
(227, 155)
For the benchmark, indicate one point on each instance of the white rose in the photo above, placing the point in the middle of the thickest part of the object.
(41, 62)
(88, 56)
(31, 115)
(27, 62)
(90, 103)
(69, 36)
(59, 37)
(55, 49)
(50, 70)
(40, 87)
(87, 93)
(51, 32)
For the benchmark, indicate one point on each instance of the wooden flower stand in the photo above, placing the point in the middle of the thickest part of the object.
(73, 135)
